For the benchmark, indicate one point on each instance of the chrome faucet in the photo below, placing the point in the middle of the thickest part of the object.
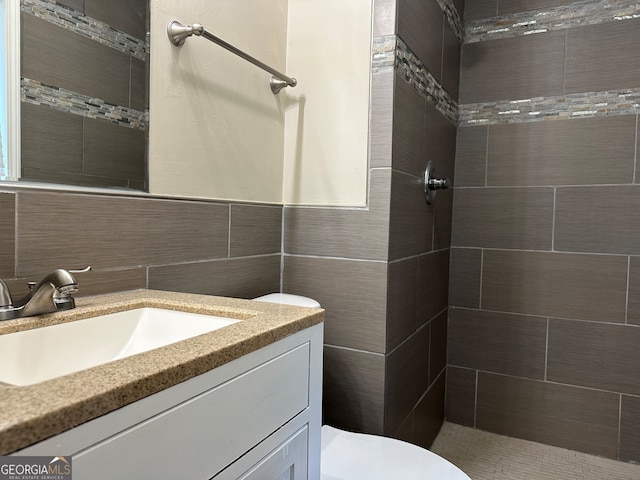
(51, 294)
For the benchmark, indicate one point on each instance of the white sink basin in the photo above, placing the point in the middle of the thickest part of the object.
(40, 354)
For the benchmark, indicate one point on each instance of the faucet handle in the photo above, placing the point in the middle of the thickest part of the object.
(80, 270)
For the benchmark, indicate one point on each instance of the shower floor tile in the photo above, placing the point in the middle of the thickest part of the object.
(487, 456)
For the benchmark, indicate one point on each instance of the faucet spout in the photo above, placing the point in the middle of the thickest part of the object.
(53, 293)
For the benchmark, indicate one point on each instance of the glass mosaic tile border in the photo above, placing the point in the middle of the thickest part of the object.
(63, 100)
(88, 27)
(580, 105)
(586, 12)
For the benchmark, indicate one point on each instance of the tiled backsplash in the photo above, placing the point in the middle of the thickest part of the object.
(138, 242)
(544, 263)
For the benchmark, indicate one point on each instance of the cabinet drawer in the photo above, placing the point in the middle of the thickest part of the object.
(218, 426)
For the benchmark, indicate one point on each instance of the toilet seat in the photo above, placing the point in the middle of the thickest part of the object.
(358, 456)
(289, 299)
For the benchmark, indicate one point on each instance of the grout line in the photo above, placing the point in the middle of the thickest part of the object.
(619, 425)
(229, 235)
(546, 350)
(635, 153)
(481, 275)
(282, 224)
(475, 401)
(553, 220)
(486, 159)
(626, 304)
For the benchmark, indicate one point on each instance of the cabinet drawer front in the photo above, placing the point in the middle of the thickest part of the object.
(218, 426)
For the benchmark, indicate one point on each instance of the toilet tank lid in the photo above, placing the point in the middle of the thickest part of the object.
(288, 299)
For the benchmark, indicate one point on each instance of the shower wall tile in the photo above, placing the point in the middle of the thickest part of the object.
(139, 98)
(633, 308)
(255, 230)
(503, 218)
(555, 284)
(248, 277)
(629, 434)
(58, 57)
(437, 346)
(562, 152)
(461, 396)
(433, 285)
(442, 219)
(465, 277)
(339, 232)
(405, 431)
(571, 356)
(408, 129)
(598, 219)
(401, 301)
(7, 234)
(479, 9)
(384, 17)
(537, 74)
(50, 139)
(590, 64)
(565, 416)
(429, 414)
(517, 6)
(411, 219)
(406, 378)
(353, 292)
(74, 4)
(451, 55)
(111, 150)
(381, 118)
(154, 231)
(498, 342)
(128, 16)
(420, 25)
(471, 155)
(353, 390)
(440, 144)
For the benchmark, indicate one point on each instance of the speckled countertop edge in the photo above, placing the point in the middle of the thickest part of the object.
(33, 413)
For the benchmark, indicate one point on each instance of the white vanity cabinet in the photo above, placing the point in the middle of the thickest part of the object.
(255, 418)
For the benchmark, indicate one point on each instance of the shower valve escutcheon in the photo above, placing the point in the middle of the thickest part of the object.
(433, 184)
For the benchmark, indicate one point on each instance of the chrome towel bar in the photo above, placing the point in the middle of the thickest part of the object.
(178, 34)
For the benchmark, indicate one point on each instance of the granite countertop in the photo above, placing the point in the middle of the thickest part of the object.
(29, 414)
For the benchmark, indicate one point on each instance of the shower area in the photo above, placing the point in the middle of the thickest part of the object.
(512, 304)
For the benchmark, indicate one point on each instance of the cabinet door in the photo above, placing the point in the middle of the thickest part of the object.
(287, 462)
(200, 437)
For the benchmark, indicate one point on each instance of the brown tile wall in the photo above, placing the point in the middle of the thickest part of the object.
(138, 242)
(382, 272)
(545, 263)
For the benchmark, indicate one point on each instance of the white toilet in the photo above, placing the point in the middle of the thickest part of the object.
(358, 456)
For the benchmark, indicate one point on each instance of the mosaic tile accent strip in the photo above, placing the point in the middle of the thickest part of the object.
(586, 12)
(390, 51)
(63, 100)
(383, 52)
(414, 72)
(453, 17)
(579, 105)
(88, 27)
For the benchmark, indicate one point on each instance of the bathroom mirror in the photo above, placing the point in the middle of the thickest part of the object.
(84, 92)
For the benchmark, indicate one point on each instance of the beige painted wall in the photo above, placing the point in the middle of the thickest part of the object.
(216, 130)
(327, 119)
